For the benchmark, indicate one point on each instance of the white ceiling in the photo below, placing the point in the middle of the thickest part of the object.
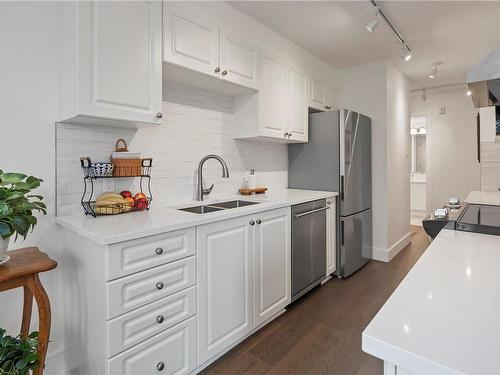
(458, 33)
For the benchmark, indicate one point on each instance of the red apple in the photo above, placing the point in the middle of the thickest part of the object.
(139, 196)
(126, 194)
(141, 204)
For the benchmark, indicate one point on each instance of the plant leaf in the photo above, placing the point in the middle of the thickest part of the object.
(12, 178)
(5, 231)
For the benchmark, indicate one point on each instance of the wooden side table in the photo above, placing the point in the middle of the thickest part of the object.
(22, 271)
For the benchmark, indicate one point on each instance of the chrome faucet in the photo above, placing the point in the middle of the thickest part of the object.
(225, 174)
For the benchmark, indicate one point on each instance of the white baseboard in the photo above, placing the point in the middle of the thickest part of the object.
(384, 255)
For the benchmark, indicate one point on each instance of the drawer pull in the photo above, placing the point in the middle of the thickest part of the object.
(160, 319)
(159, 251)
(160, 366)
(159, 285)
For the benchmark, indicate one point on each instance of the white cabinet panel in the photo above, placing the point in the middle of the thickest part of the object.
(298, 113)
(139, 289)
(132, 256)
(190, 41)
(274, 91)
(239, 60)
(141, 324)
(316, 94)
(330, 98)
(110, 61)
(170, 352)
(225, 285)
(272, 263)
(331, 239)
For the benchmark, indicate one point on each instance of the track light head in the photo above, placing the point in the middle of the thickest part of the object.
(469, 93)
(372, 25)
(434, 72)
(405, 53)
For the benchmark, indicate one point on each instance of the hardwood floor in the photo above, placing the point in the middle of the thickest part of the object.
(321, 333)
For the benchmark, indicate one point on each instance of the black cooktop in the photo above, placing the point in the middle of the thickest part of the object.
(480, 218)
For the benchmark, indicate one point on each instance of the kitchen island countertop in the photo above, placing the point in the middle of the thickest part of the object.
(484, 197)
(444, 316)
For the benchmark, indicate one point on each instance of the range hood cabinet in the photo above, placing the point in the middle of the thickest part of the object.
(483, 81)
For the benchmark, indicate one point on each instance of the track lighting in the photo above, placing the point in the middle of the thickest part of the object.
(469, 93)
(424, 97)
(372, 25)
(405, 53)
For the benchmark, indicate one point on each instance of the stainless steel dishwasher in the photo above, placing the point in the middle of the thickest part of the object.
(308, 246)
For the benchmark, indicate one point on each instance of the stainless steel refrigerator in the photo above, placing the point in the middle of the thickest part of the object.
(338, 158)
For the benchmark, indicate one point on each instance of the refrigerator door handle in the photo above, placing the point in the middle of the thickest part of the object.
(341, 188)
(342, 233)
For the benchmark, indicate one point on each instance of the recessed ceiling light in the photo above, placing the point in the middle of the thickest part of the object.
(405, 53)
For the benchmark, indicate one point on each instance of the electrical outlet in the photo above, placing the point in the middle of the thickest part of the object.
(108, 184)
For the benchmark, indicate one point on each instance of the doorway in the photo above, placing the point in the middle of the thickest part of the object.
(418, 175)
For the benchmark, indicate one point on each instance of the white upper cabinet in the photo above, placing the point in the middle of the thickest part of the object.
(298, 113)
(110, 63)
(317, 94)
(196, 44)
(239, 60)
(272, 263)
(274, 95)
(189, 41)
(330, 98)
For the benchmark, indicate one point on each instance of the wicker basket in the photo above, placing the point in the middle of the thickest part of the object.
(126, 167)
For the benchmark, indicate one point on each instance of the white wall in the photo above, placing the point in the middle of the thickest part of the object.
(195, 123)
(381, 92)
(452, 167)
(28, 92)
(398, 160)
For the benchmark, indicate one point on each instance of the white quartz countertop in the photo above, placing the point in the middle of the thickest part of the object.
(444, 317)
(484, 197)
(117, 228)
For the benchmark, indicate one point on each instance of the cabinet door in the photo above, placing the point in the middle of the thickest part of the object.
(272, 263)
(298, 112)
(316, 94)
(120, 60)
(225, 298)
(189, 41)
(331, 239)
(330, 98)
(274, 96)
(239, 60)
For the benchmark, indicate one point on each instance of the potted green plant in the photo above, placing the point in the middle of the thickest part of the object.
(17, 206)
(18, 355)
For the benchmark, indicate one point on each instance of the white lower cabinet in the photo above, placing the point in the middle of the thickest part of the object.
(171, 352)
(243, 277)
(225, 284)
(272, 264)
(331, 239)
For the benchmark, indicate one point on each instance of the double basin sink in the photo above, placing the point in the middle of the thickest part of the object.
(217, 206)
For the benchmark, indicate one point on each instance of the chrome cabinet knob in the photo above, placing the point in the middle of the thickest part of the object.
(160, 319)
(328, 202)
(217, 70)
(251, 222)
(328, 107)
(159, 251)
(160, 366)
(159, 285)
(159, 115)
(224, 73)
(258, 221)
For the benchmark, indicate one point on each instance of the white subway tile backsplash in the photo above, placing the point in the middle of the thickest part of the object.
(195, 123)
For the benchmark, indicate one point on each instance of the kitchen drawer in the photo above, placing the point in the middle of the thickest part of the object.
(171, 352)
(129, 257)
(145, 322)
(148, 286)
